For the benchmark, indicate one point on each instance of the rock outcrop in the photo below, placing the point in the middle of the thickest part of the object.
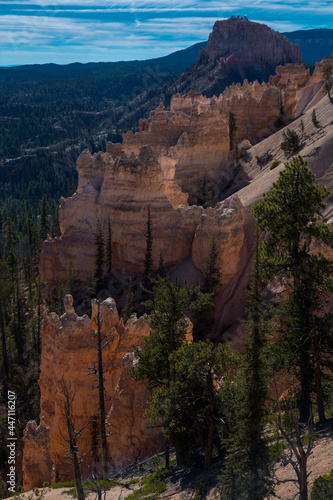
(38, 465)
(237, 49)
(121, 190)
(295, 73)
(179, 157)
(243, 43)
(69, 349)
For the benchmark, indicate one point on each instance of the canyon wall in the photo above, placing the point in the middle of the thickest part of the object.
(69, 349)
(179, 157)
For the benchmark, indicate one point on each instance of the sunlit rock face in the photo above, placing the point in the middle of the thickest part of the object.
(69, 349)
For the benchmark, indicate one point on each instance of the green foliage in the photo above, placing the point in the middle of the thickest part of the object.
(290, 216)
(156, 365)
(314, 118)
(191, 406)
(276, 450)
(168, 330)
(100, 256)
(248, 470)
(323, 487)
(212, 277)
(232, 121)
(148, 264)
(274, 164)
(151, 486)
(65, 484)
(291, 142)
(109, 249)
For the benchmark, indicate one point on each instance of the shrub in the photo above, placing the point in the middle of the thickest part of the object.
(274, 164)
(291, 142)
(323, 487)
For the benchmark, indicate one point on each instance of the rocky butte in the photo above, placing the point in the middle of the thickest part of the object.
(238, 49)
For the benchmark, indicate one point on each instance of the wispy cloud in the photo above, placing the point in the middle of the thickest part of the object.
(131, 29)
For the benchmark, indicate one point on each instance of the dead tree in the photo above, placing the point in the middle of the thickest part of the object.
(98, 369)
(73, 435)
(298, 452)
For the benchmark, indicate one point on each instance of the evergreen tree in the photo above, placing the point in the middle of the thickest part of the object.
(232, 130)
(247, 474)
(44, 226)
(99, 261)
(212, 277)
(109, 250)
(4, 299)
(55, 226)
(290, 217)
(168, 332)
(161, 267)
(148, 264)
(192, 408)
(291, 142)
(314, 118)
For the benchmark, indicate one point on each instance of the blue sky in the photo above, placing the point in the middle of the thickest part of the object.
(65, 31)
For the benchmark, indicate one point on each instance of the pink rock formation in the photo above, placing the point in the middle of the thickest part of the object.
(317, 75)
(295, 73)
(242, 43)
(69, 349)
(192, 139)
(38, 465)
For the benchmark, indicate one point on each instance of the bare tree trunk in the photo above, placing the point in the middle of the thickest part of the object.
(72, 441)
(318, 384)
(102, 414)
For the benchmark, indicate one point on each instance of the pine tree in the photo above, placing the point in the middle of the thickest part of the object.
(314, 118)
(148, 264)
(55, 226)
(161, 267)
(232, 130)
(109, 250)
(168, 332)
(248, 469)
(99, 261)
(44, 226)
(289, 216)
(212, 276)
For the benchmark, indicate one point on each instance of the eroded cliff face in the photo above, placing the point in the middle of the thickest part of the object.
(69, 349)
(238, 49)
(244, 43)
(295, 73)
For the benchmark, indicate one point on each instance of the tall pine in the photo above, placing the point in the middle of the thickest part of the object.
(289, 216)
(100, 257)
(247, 474)
(148, 264)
